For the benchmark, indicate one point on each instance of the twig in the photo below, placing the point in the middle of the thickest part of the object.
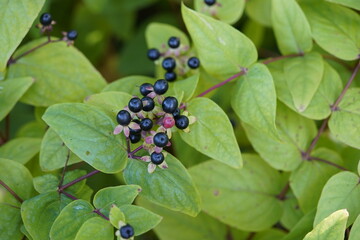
(77, 180)
(328, 162)
(274, 59)
(11, 191)
(64, 169)
(100, 214)
(316, 139)
(130, 154)
(282, 195)
(69, 195)
(222, 83)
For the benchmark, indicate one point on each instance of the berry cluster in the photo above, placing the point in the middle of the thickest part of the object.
(151, 119)
(174, 62)
(46, 26)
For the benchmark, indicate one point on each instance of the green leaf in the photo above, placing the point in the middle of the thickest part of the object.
(141, 219)
(39, 213)
(158, 34)
(344, 123)
(110, 102)
(53, 152)
(304, 226)
(11, 90)
(291, 211)
(70, 219)
(348, 3)
(313, 174)
(178, 226)
(255, 187)
(212, 133)
(20, 149)
(95, 228)
(269, 234)
(19, 179)
(82, 127)
(172, 188)
(295, 131)
(318, 108)
(116, 216)
(57, 80)
(119, 196)
(355, 230)
(342, 191)
(229, 11)
(335, 28)
(128, 84)
(32, 129)
(332, 227)
(254, 99)
(188, 86)
(303, 78)
(16, 20)
(291, 27)
(260, 11)
(223, 50)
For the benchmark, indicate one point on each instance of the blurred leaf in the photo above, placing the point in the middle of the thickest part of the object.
(57, 79)
(16, 20)
(223, 50)
(260, 11)
(347, 3)
(128, 84)
(82, 127)
(304, 226)
(255, 187)
(172, 188)
(20, 149)
(32, 129)
(11, 90)
(212, 133)
(332, 227)
(344, 123)
(292, 213)
(355, 230)
(335, 28)
(291, 27)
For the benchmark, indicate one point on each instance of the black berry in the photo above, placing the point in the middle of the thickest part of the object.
(161, 86)
(135, 138)
(148, 104)
(146, 124)
(157, 158)
(193, 62)
(126, 231)
(153, 54)
(135, 131)
(209, 2)
(170, 76)
(161, 139)
(145, 89)
(123, 118)
(170, 104)
(169, 64)
(45, 19)
(135, 105)
(72, 35)
(182, 122)
(174, 42)
(176, 113)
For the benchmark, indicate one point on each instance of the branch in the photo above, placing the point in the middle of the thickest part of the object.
(222, 83)
(282, 195)
(61, 189)
(11, 191)
(316, 139)
(328, 162)
(64, 169)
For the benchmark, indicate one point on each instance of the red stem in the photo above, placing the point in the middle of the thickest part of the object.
(77, 180)
(282, 57)
(11, 191)
(328, 162)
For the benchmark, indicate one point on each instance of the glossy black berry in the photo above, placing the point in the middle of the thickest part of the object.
(182, 122)
(170, 104)
(72, 35)
(123, 118)
(176, 113)
(209, 2)
(169, 64)
(146, 124)
(157, 158)
(161, 86)
(153, 54)
(161, 139)
(45, 19)
(148, 104)
(170, 76)
(193, 62)
(126, 231)
(146, 88)
(135, 105)
(174, 42)
(135, 138)
(135, 131)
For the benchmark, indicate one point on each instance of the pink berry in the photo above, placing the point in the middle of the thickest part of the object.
(168, 122)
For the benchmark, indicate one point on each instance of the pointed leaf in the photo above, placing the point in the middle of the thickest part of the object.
(82, 127)
(212, 133)
(95, 228)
